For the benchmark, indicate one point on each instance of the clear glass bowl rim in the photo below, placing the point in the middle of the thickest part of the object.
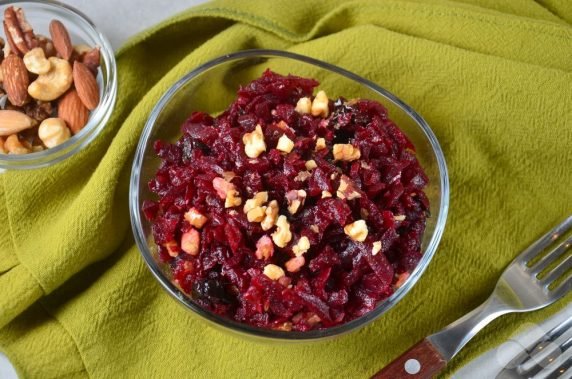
(245, 329)
(97, 119)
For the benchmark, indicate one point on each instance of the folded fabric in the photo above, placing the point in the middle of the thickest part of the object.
(493, 79)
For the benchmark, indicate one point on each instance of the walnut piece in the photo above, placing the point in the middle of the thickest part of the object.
(357, 230)
(346, 152)
(254, 143)
(273, 272)
(282, 235)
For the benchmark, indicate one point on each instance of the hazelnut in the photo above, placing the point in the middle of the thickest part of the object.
(295, 199)
(346, 152)
(376, 248)
(285, 144)
(195, 218)
(320, 144)
(271, 215)
(320, 105)
(357, 230)
(282, 235)
(295, 264)
(264, 248)
(190, 242)
(53, 131)
(311, 164)
(273, 272)
(254, 143)
(301, 246)
(304, 105)
(259, 199)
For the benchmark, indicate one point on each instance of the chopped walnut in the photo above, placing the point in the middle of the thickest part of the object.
(311, 164)
(357, 230)
(256, 214)
(195, 218)
(302, 246)
(271, 215)
(295, 199)
(258, 200)
(304, 105)
(326, 194)
(190, 242)
(223, 187)
(282, 235)
(285, 144)
(320, 105)
(233, 199)
(172, 248)
(254, 143)
(302, 176)
(295, 264)
(320, 144)
(376, 248)
(401, 279)
(399, 218)
(346, 190)
(364, 213)
(346, 152)
(314, 228)
(273, 272)
(264, 248)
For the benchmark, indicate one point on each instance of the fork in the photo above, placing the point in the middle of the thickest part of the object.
(546, 357)
(518, 290)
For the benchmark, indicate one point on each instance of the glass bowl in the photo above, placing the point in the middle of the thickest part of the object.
(193, 92)
(82, 31)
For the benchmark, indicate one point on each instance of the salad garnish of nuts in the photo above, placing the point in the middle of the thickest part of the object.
(47, 85)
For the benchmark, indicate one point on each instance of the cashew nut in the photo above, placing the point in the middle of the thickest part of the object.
(54, 83)
(53, 131)
(36, 62)
(13, 145)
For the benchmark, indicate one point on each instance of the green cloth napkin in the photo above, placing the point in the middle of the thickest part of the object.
(493, 79)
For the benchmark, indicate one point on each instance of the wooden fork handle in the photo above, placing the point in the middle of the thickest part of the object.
(422, 361)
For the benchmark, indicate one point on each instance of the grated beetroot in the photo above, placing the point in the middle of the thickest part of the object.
(336, 279)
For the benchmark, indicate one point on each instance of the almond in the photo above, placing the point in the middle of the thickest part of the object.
(61, 39)
(72, 111)
(16, 79)
(12, 122)
(85, 85)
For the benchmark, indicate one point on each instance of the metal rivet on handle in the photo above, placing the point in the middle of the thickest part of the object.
(412, 366)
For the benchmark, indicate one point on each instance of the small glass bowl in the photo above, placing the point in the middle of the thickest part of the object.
(82, 31)
(194, 92)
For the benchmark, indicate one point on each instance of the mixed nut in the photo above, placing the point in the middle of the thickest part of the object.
(48, 86)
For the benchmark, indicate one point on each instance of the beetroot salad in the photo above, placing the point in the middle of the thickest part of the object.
(289, 211)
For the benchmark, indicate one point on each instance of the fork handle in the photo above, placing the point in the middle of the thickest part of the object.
(422, 361)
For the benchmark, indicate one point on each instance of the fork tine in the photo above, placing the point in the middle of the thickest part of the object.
(550, 257)
(563, 288)
(544, 241)
(558, 271)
